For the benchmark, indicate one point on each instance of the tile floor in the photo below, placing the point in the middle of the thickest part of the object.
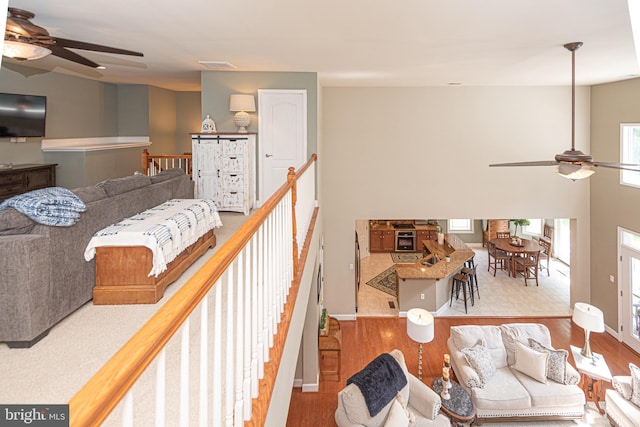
(499, 296)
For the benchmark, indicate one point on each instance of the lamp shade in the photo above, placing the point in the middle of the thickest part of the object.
(420, 325)
(588, 317)
(23, 51)
(574, 171)
(242, 103)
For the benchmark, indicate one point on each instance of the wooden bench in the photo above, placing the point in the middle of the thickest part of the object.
(122, 272)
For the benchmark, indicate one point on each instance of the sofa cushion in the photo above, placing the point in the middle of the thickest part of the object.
(166, 175)
(635, 384)
(550, 394)
(13, 222)
(503, 392)
(90, 194)
(622, 384)
(531, 362)
(479, 358)
(557, 364)
(397, 415)
(522, 332)
(468, 336)
(117, 186)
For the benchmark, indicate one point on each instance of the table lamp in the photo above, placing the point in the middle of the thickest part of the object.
(420, 329)
(242, 104)
(590, 319)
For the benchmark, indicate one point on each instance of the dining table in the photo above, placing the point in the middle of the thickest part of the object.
(507, 245)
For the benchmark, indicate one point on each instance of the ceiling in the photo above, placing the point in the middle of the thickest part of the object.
(347, 42)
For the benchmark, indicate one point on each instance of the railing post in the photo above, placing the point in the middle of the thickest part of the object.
(145, 161)
(291, 177)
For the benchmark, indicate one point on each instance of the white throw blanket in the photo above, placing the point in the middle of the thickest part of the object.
(167, 230)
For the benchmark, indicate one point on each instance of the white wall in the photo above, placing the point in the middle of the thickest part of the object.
(424, 153)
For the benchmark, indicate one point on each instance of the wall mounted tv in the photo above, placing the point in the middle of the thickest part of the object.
(22, 115)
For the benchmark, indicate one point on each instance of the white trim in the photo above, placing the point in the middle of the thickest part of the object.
(344, 316)
(310, 388)
(626, 129)
(95, 144)
(297, 382)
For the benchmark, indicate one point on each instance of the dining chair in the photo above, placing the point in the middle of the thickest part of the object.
(497, 258)
(527, 265)
(545, 254)
(503, 234)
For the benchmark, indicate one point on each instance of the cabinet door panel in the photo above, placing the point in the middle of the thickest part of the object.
(233, 147)
(233, 182)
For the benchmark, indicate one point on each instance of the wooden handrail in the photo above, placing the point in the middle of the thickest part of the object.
(94, 402)
(147, 158)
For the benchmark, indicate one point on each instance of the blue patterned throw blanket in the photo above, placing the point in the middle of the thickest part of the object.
(379, 381)
(55, 206)
(167, 230)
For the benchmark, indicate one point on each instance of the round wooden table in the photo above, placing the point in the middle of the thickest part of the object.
(505, 245)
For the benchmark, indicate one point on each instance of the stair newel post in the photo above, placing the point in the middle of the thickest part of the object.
(145, 161)
(291, 177)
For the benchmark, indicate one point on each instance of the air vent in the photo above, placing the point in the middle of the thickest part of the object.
(218, 65)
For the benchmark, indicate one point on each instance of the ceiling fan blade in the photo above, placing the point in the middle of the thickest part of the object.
(535, 163)
(624, 166)
(71, 56)
(75, 44)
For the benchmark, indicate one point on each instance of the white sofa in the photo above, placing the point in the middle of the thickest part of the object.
(504, 392)
(416, 405)
(621, 411)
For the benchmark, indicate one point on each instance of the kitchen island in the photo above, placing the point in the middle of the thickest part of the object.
(427, 283)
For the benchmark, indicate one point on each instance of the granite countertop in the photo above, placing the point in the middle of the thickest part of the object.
(453, 246)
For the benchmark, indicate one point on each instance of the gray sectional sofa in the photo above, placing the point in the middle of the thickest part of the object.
(43, 274)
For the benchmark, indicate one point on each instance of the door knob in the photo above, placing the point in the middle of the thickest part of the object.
(268, 155)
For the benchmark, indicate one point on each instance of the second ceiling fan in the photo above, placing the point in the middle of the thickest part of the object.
(572, 163)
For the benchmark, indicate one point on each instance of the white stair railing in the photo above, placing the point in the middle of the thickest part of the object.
(226, 316)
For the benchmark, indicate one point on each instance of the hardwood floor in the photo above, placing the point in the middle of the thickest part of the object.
(367, 337)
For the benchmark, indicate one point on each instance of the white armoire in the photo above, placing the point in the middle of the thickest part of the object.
(224, 169)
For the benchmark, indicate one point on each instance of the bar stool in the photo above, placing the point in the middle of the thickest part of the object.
(473, 281)
(460, 280)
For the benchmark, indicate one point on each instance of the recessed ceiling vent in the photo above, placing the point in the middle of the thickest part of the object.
(218, 65)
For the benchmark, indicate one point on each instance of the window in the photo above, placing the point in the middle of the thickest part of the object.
(630, 153)
(534, 228)
(461, 226)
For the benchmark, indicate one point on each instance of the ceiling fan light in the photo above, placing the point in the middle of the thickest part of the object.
(23, 51)
(574, 172)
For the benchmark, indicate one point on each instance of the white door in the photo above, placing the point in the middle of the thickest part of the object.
(630, 289)
(282, 130)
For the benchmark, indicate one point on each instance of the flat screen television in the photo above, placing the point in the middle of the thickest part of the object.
(22, 115)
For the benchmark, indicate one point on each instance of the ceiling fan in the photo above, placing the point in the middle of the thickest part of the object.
(23, 40)
(573, 164)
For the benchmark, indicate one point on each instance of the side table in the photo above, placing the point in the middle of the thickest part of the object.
(593, 373)
(459, 407)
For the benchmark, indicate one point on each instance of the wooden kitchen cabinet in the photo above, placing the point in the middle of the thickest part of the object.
(424, 235)
(382, 241)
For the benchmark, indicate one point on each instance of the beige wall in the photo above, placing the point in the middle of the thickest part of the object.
(613, 205)
(188, 113)
(424, 153)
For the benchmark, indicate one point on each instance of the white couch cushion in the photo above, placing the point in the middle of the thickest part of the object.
(522, 332)
(635, 384)
(621, 410)
(503, 391)
(531, 362)
(557, 364)
(468, 336)
(551, 394)
(397, 415)
(622, 384)
(479, 358)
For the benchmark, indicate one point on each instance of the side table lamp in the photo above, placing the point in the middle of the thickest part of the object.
(420, 329)
(243, 104)
(590, 319)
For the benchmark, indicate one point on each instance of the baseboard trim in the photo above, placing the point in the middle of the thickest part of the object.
(297, 382)
(344, 316)
(612, 332)
(310, 388)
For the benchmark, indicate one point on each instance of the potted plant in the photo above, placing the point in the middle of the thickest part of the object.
(520, 222)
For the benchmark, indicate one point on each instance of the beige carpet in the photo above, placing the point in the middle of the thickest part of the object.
(54, 369)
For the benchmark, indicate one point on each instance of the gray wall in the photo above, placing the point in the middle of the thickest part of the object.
(79, 107)
(613, 205)
(406, 152)
(218, 86)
